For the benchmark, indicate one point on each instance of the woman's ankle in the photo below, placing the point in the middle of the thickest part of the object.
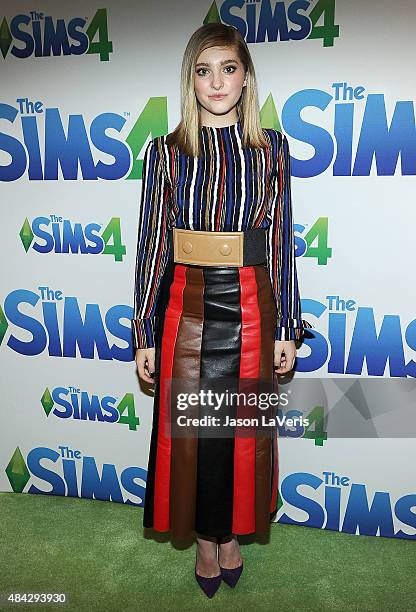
(207, 548)
(229, 553)
(207, 558)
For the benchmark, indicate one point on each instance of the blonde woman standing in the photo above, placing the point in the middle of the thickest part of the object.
(216, 295)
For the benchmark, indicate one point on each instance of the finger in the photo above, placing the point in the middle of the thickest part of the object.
(151, 364)
(143, 374)
(285, 367)
(142, 368)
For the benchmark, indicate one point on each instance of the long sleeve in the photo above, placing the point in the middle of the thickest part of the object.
(152, 246)
(281, 261)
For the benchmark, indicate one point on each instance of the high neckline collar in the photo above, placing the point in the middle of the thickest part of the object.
(225, 127)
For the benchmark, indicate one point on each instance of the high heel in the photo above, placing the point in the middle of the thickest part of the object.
(231, 576)
(209, 585)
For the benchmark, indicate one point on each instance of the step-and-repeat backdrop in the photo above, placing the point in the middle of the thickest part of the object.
(83, 88)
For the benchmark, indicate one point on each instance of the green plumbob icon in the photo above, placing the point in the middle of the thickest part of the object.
(213, 15)
(268, 115)
(47, 401)
(26, 235)
(5, 37)
(279, 501)
(3, 325)
(17, 472)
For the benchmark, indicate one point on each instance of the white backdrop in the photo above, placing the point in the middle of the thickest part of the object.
(336, 103)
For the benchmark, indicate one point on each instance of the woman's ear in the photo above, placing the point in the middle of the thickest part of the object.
(245, 80)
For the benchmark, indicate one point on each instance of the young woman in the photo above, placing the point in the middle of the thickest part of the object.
(216, 295)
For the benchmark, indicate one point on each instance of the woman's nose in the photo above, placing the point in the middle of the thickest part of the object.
(217, 81)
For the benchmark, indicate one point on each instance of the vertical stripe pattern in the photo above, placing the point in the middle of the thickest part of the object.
(163, 457)
(218, 322)
(245, 447)
(228, 188)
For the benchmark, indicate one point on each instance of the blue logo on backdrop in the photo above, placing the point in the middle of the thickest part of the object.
(68, 472)
(262, 21)
(80, 476)
(37, 34)
(376, 348)
(368, 518)
(71, 147)
(73, 403)
(54, 234)
(59, 324)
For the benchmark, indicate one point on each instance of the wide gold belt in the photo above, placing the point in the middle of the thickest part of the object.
(206, 248)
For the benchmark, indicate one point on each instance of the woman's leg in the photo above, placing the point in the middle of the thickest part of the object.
(229, 556)
(207, 563)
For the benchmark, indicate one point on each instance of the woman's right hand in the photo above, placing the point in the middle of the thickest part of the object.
(145, 361)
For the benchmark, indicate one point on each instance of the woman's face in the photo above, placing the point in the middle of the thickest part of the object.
(219, 79)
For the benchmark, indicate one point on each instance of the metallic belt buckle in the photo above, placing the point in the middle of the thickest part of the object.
(207, 248)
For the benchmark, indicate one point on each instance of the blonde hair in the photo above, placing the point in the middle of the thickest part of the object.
(186, 135)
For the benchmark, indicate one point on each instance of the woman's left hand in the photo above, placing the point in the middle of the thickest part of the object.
(284, 355)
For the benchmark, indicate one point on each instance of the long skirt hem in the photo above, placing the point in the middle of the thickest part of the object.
(212, 323)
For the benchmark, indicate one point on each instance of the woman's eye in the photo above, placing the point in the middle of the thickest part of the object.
(202, 71)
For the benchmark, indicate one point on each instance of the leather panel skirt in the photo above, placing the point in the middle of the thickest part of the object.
(213, 322)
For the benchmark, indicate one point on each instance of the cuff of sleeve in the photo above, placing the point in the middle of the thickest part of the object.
(143, 333)
(291, 329)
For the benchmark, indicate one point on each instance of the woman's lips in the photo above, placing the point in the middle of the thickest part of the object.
(219, 97)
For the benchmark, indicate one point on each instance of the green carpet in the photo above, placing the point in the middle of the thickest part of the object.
(96, 552)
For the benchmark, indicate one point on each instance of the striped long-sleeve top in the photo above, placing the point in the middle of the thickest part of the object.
(228, 188)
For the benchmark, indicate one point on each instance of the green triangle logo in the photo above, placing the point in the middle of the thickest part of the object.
(5, 37)
(213, 15)
(3, 324)
(17, 472)
(268, 115)
(47, 401)
(26, 234)
(279, 501)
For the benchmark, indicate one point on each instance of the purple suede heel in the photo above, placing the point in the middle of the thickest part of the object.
(209, 585)
(231, 576)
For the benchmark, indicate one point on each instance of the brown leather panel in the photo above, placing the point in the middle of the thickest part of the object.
(186, 364)
(268, 319)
